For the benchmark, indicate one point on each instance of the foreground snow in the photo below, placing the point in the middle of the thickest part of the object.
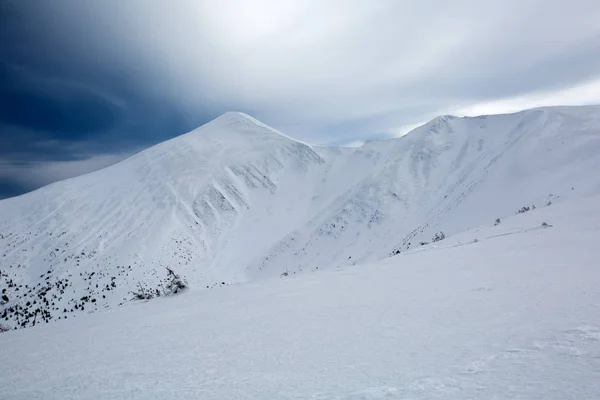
(515, 315)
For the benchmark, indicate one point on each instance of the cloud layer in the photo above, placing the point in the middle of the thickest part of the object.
(321, 65)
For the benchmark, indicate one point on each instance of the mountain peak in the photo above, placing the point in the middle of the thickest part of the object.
(238, 124)
(235, 116)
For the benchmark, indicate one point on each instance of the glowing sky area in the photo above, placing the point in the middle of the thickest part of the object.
(84, 84)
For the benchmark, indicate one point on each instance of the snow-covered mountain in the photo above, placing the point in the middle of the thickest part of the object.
(236, 200)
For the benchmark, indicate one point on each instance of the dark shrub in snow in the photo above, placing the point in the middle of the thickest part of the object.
(438, 236)
(176, 283)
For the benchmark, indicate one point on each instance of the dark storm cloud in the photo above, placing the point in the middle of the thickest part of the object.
(65, 112)
(70, 100)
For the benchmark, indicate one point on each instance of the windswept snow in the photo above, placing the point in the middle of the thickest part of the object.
(513, 315)
(235, 201)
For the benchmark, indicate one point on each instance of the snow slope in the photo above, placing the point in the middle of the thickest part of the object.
(235, 200)
(515, 315)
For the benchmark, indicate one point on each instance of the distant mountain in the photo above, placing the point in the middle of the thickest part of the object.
(236, 200)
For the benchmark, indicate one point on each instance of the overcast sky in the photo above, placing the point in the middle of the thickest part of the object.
(84, 84)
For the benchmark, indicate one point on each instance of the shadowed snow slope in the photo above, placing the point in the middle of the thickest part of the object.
(236, 200)
(514, 315)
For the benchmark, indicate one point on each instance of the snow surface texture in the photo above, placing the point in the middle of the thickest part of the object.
(513, 315)
(236, 200)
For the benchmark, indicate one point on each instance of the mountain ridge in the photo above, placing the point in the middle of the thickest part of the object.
(235, 200)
